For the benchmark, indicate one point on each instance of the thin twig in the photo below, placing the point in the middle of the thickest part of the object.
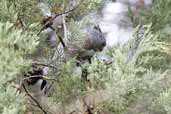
(62, 42)
(48, 23)
(25, 89)
(40, 76)
(21, 22)
(60, 38)
(37, 103)
(43, 64)
(72, 112)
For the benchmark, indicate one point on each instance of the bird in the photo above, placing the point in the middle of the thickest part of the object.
(93, 42)
(96, 40)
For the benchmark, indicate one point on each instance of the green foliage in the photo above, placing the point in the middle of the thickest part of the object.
(7, 11)
(138, 83)
(164, 101)
(151, 52)
(14, 46)
(69, 83)
(29, 13)
(10, 103)
(94, 4)
(86, 7)
(26, 10)
(130, 81)
(76, 33)
(159, 15)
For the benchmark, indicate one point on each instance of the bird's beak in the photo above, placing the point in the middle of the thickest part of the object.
(99, 49)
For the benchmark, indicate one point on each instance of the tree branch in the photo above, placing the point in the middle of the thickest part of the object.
(21, 22)
(43, 64)
(25, 89)
(50, 21)
(37, 103)
(60, 38)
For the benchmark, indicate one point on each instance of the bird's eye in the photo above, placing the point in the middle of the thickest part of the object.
(104, 44)
(96, 27)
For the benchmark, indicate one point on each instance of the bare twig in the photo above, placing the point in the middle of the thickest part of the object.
(25, 89)
(42, 77)
(50, 22)
(43, 64)
(21, 22)
(60, 38)
(72, 112)
(37, 103)
(62, 42)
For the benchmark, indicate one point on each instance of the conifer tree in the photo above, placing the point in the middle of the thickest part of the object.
(135, 80)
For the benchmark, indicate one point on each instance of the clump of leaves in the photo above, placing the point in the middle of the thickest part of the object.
(159, 15)
(15, 44)
(131, 81)
(69, 83)
(76, 33)
(14, 47)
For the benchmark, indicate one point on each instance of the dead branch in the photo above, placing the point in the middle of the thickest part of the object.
(37, 103)
(42, 77)
(21, 22)
(27, 92)
(62, 42)
(50, 21)
(43, 64)
(60, 38)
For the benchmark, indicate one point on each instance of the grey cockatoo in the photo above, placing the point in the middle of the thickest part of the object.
(94, 37)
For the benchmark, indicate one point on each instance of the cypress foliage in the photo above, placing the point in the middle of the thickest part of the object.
(137, 80)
